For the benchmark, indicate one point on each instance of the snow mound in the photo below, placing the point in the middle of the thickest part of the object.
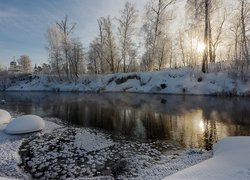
(231, 160)
(25, 124)
(4, 117)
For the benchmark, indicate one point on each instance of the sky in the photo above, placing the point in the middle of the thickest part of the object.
(23, 23)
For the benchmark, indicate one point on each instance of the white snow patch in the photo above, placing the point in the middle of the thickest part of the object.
(90, 141)
(4, 117)
(169, 81)
(231, 161)
(50, 125)
(9, 146)
(8, 154)
(25, 124)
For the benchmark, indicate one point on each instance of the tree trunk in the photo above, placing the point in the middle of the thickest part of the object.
(211, 56)
(244, 39)
(206, 34)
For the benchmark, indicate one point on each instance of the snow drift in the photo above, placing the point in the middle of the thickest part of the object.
(231, 160)
(170, 81)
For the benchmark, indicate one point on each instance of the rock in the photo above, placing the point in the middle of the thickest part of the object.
(3, 102)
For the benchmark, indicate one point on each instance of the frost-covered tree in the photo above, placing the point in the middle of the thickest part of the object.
(155, 31)
(244, 25)
(66, 53)
(76, 58)
(206, 16)
(54, 47)
(104, 47)
(26, 63)
(94, 57)
(110, 47)
(66, 28)
(126, 33)
(239, 46)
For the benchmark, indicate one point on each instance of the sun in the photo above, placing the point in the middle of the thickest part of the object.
(200, 47)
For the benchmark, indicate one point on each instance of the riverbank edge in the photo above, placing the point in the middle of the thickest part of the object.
(230, 161)
(169, 82)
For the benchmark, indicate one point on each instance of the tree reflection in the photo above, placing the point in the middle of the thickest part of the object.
(189, 120)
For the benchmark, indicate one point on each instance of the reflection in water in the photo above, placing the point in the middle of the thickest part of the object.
(192, 121)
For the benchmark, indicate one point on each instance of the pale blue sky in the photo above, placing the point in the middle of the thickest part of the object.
(23, 23)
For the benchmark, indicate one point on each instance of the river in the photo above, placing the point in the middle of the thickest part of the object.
(190, 121)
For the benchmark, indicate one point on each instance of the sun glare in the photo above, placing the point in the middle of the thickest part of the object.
(202, 126)
(200, 47)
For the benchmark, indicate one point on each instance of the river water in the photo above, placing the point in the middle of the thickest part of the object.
(190, 121)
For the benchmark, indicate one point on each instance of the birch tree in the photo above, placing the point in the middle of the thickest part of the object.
(54, 38)
(157, 16)
(66, 29)
(126, 31)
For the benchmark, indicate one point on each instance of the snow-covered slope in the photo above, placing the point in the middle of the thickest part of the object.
(170, 81)
(231, 160)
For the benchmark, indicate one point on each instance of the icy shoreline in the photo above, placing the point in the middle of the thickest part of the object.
(88, 153)
(230, 161)
(170, 81)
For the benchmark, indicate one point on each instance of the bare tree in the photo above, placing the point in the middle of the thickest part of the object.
(94, 57)
(76, 58)
(54, 38)
(66, 29)
(239, 27)
(45, 69)
(244, 12)
(100, 41)
(109, 48)
(235, 29)
(154, 28)
(66, 52)
(203, 12)
(126, 31)
(217, 39)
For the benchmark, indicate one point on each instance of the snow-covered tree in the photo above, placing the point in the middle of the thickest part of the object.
(65, 52)
(54, 47)
(26, 63)
(155, 31)
(126, 33)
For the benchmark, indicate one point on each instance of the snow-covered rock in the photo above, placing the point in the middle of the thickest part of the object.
(4, 117)
(25, 124)
(231, 160)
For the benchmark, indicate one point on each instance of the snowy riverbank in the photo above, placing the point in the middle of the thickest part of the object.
(230, 161)
(170, 81)
(67, 152)
(61, 151)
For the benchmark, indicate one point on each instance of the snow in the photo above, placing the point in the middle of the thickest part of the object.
(8, 155)
(25, 124)
(169, 81)
(60, 152)
(61, 155)
(4, 117)
(67, 152)
(9, 147)
(94, 142)
(231, 160)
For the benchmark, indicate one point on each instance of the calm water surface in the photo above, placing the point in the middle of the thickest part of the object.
(190, 121)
